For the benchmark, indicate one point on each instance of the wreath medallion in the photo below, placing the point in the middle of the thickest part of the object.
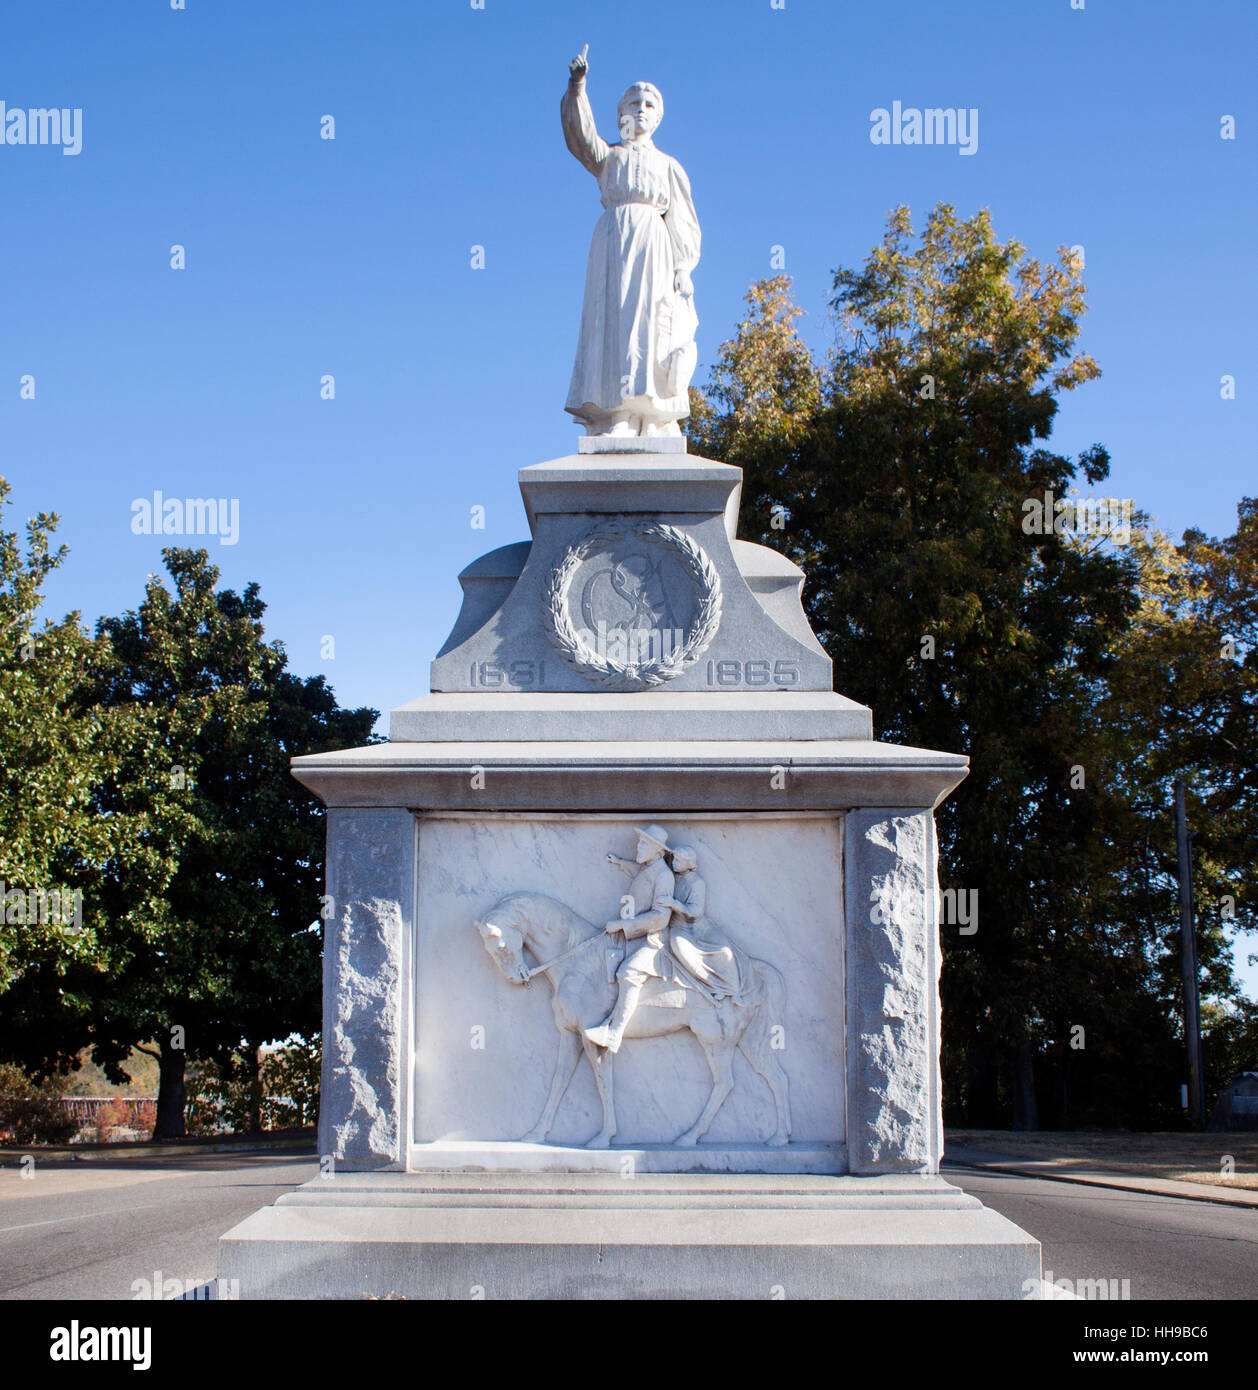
(648, 599)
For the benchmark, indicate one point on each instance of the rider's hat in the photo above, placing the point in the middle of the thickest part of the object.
(656, 834)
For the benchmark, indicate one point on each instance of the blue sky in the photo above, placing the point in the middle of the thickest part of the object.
(1098, 127)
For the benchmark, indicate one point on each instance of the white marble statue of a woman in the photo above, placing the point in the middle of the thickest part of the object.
(637, 349)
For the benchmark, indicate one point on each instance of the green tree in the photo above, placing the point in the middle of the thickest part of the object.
(903, 476)
(280, 1091)
(56, 846)
(209, 944)
(51, 754)
(1181, 700)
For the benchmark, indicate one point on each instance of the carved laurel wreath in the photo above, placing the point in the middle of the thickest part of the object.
(597, 666)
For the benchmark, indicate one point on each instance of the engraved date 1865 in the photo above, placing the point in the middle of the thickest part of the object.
(753, 673)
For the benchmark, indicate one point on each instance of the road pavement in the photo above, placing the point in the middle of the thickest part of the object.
(1166, 1247)
(117, 1231)
(104, 1231)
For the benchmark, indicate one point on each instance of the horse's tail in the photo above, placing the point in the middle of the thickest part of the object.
(769, 1005)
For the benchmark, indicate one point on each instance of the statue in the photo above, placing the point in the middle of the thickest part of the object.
(727, 1001)
(694, 940)
(636, 353)
(678, 943)
(651, 895)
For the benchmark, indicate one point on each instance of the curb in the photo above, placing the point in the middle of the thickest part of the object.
(1126, 1182)
(87, 1154)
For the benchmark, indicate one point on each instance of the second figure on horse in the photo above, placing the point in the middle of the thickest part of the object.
(668, 918)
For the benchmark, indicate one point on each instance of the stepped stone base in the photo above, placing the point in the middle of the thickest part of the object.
(650, 1236)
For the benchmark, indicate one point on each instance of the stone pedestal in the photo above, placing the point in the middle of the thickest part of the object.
(528, 1236)
(633, 666)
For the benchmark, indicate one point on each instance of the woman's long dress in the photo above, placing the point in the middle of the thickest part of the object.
(699, 946)
(635, 328)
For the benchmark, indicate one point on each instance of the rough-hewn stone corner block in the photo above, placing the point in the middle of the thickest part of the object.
(371, 889)
(894, 1122)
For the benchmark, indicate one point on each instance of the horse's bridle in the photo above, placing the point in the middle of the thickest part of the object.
(572, 950)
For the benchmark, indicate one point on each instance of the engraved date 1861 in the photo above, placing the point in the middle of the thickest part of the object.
(493, 675)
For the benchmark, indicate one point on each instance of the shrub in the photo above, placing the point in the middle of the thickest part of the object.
(222, 1095)
(290, 1079)
(31, 1111)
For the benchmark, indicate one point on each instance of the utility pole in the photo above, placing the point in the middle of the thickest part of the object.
(1188, 961)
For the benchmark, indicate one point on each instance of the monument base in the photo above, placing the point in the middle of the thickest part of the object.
(646, 1236)
(470, 1156)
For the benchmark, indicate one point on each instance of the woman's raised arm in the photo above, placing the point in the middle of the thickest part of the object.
(579, 132)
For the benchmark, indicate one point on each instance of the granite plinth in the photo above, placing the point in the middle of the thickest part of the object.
(688, 718)
(668, 564)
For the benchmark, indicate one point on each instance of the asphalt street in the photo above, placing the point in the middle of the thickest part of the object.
(1167, 1247)
(96, 1230)
(116, 1231)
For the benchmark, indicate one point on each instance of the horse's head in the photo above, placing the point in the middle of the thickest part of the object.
(506, 949)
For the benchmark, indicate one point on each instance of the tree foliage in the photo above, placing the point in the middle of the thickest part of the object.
(53, 755)
(275, 1089)
(202, 870)
(902, 474)
(31, 1111)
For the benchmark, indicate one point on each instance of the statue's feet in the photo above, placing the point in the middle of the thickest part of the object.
(601, 1141)
(779, 1140)
(689, 1139)
(603, 1036)
(535, 1136)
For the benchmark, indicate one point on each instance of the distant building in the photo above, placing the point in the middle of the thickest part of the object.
(1237, 1105)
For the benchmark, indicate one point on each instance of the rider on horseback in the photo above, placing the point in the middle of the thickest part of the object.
(650, 895)
(693, 954)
